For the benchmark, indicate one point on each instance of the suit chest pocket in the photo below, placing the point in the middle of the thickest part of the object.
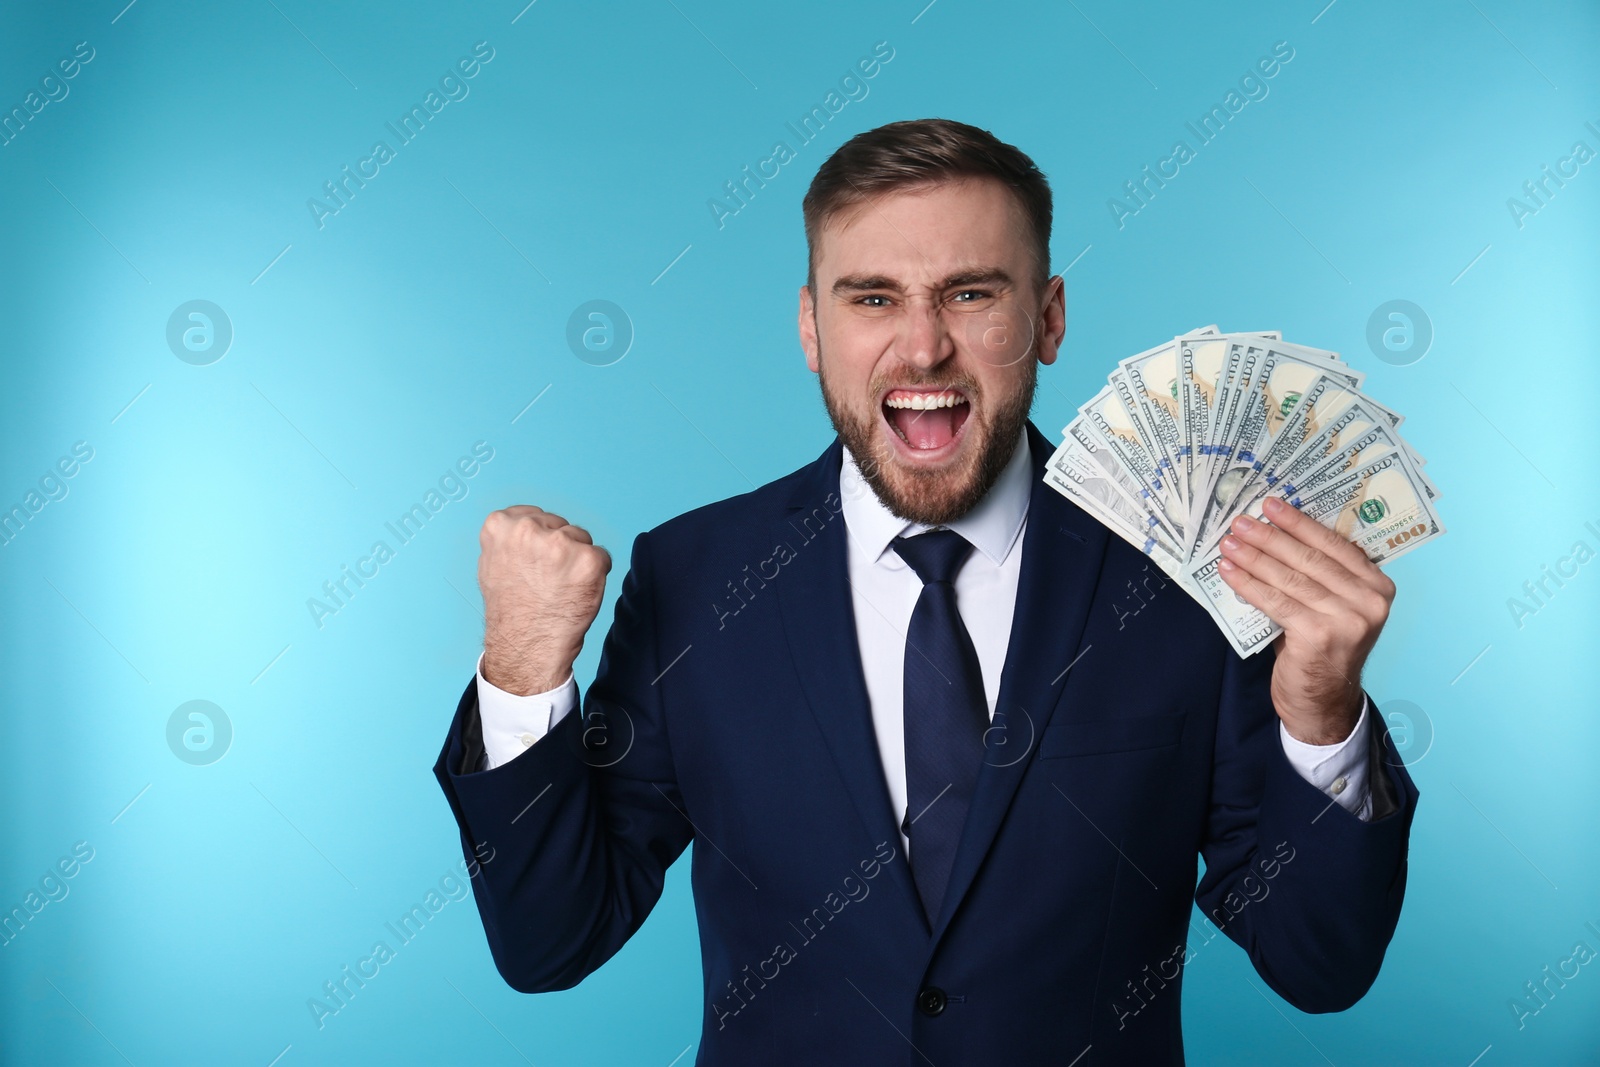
(1067, 737)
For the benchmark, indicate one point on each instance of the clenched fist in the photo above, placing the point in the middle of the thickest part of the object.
(542, 580)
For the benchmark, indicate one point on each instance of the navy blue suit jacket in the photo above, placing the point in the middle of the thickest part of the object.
(729, 709)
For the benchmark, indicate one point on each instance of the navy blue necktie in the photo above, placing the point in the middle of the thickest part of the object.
(946, 713)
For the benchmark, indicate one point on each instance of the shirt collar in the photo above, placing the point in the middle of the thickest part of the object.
(992, 526)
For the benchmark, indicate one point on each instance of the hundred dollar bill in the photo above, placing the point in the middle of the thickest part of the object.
(1200, 365)
(1197, 362)
(1149, 440)
(1105, 417)
(1318, 406)
(1100, 498)
(1091, 452)
(1326, 401)
(1355, 434)
(1360, 426)
(1244, 362)
(1247, 628)
(1088, 451)
(1152, 376)
(1395, 419)
(1366, 503)
(1294, 367)
(1240, 366)
(1087, 458)
(1280, 379)
(1379, 506)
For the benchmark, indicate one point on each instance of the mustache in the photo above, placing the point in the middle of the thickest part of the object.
(966, 383)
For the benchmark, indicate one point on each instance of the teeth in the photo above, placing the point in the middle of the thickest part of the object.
(925, 401)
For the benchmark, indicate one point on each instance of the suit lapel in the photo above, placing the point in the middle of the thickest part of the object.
(819, 622)
(1062, 550)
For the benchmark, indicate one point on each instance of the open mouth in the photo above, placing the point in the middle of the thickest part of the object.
(927, 421)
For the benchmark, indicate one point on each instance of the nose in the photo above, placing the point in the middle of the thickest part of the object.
(922, 340)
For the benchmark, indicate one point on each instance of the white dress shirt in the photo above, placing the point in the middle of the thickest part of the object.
(884, 591)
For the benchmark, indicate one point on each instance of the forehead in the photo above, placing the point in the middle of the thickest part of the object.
(925, 232)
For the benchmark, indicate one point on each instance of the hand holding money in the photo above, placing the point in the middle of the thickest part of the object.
(1331, 602)
(1256, 474)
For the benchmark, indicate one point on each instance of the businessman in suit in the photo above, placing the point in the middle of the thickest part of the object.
(946, 748)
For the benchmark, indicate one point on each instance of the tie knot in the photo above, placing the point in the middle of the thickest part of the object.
(936, 556)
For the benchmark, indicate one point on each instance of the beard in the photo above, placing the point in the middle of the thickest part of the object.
(934, 497)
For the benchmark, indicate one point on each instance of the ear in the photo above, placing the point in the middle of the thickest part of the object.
(808, 328)
(1052, 320)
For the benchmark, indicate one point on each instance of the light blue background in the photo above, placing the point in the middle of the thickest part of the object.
(425, 317)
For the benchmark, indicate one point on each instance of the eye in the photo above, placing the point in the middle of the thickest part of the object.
(872, 296)
(976, 294)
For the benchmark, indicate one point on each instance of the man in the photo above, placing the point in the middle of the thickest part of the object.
(946, 748)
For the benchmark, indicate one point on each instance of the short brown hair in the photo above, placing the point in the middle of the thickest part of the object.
(918, 152)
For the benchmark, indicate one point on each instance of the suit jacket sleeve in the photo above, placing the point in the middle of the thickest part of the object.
(1309, 890)
(572, 839)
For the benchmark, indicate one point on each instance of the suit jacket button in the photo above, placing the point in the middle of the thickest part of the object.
(931, 1000)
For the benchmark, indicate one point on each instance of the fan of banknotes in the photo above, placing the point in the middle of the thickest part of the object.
(1190, 434)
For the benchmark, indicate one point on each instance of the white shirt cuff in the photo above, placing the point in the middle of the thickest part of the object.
(1340, 769)
(512, 723)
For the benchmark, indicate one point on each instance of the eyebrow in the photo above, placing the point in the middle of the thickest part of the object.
(858, 283)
